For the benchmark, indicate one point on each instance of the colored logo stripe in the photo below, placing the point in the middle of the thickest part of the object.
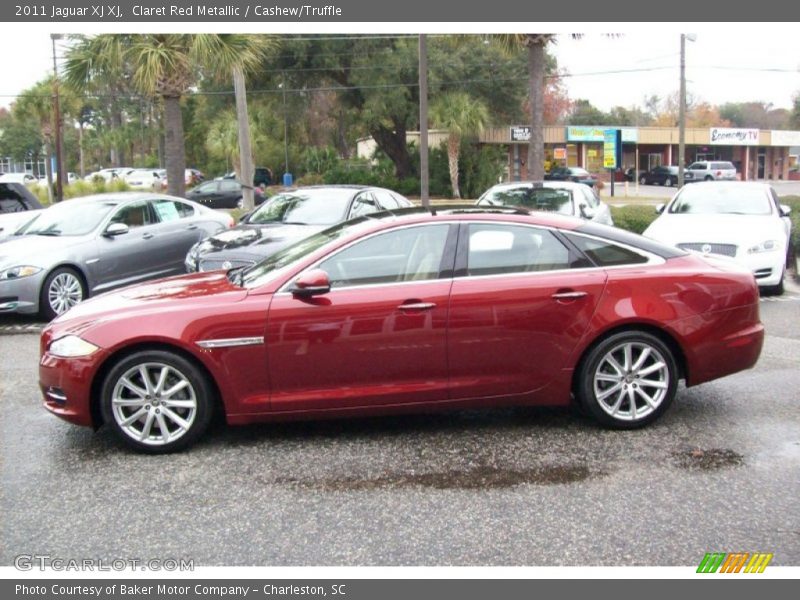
(734, 562)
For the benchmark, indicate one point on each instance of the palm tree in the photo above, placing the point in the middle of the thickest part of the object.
(36, 103)
(461, 115)
(167, 66)
(534, 44)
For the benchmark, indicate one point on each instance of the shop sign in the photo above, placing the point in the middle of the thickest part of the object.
(560, 153)
(630, 135)
(520, 134)
(612, 142)
(785, 138)
(726, 136)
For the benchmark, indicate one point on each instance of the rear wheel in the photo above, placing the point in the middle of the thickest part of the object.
(709, 178)
(643, 180)
(157, 401)
(63, 288)
(628, 380)
(668, 182)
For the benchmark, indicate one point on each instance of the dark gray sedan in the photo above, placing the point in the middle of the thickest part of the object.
(85, 246)
(286, 218)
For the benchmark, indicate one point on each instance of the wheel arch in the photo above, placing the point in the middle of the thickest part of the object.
(662, 334)
(112, 359)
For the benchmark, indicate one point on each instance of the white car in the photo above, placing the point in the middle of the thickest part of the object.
(742, 220)
(565, 197)
(108, 174)
(146, 179)
(25, 178)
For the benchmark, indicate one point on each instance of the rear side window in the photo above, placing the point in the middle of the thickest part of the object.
(501, 249)
(11, 205)
(606, 254)
(722, 166)
(172, 210)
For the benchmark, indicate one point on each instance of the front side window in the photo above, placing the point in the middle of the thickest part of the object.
(134, 215)
(410, 254)
(499, 249)
(227, 186)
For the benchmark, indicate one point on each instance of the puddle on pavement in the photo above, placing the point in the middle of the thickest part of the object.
(708, 460)
(477, 478)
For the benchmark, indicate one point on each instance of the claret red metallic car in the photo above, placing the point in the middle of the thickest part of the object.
(412, 311)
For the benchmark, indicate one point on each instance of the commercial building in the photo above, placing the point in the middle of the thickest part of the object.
(757, 154)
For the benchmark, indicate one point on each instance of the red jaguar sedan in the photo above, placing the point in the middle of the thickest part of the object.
(411, 311)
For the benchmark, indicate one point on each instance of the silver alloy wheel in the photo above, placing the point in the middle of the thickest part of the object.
(154, 403)
(631, 381)
(64, 292)
(240, 203)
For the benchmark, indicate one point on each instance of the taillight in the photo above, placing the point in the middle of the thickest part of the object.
(231, 222)
(718, 174)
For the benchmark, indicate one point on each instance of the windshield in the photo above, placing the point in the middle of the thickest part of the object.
(535, 198)
(67, 218)
(699, 199)
(268, 268)
(324, 206)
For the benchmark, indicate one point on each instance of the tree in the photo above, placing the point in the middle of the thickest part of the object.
(462, 116)
(166, 66)
(584, 112)
(794, 117)
(35, 104)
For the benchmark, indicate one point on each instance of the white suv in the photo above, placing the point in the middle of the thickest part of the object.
(711, 170)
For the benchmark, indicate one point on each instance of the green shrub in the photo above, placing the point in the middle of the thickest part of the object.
(634, 218)
(793, 202)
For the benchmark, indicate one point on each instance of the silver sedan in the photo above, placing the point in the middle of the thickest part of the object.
(86, 246)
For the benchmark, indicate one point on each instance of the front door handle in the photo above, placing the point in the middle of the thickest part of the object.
(192, 227)
(147, 236)
(417, 306)
(568, 295)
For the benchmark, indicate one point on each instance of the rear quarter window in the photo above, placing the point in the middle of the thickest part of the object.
(606, 254)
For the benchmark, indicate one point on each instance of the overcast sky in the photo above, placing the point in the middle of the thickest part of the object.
(730, 63)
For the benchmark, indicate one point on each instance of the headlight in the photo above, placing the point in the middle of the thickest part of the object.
(71, 346)
(768, 246)
(19, 272)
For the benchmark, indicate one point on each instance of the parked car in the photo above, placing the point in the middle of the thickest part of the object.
(71, 178)
(222, 193)
(576, 174)
(564, 197)
(193, 177)
(741, 220)
(261, 176)
(76, 249)
(417, 311)
(23, 178)
(17, 205)
(713, 170)
(286, 218)
(108, 174)
(666, 175)
(630, 174)
(146, 179)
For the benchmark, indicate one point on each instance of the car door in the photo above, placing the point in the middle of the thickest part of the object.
(207, 194)
(517, 309)
(132, 256)
(229, 193)
(177, 231)
(378, 337)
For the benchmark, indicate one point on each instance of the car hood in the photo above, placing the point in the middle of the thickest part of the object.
(174, 293)
(34, 249)
(255, 235)
(715, 229)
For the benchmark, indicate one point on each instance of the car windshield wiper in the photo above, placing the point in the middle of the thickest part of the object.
(50, 232)
(294, 223)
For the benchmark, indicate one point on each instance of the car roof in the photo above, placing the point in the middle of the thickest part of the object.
(120, 197)
(570, 185)
(732, 185)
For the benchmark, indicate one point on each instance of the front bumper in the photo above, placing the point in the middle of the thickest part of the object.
(66, 385)
(20, 295)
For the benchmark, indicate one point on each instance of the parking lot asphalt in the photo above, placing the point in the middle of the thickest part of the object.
(511, 487)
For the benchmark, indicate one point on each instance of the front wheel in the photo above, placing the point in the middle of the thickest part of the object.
(63, 288)
(628, 380)
(643, 180)
(668, 182)
(157, 401)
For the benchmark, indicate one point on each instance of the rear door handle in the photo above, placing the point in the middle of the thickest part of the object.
(192, 227)
(568, 295)
(147, 236)
(417, 306)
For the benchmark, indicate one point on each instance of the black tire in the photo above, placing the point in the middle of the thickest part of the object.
(709, 178)
(197, 398)
(632, 386)
(62, 289)
(642, 180)
(668, 182)
(776, 290)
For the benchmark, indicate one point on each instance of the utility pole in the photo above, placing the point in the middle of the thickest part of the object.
(57, 110)
(245, 150)
(287, 177)
(682, 115)
(423, 122)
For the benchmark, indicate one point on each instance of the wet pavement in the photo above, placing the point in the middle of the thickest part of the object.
(720, 472)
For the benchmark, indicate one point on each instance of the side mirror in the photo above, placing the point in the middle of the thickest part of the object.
(785, 210)
(116, 229)
(312, 283)
(660, 208)
(586, 212)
